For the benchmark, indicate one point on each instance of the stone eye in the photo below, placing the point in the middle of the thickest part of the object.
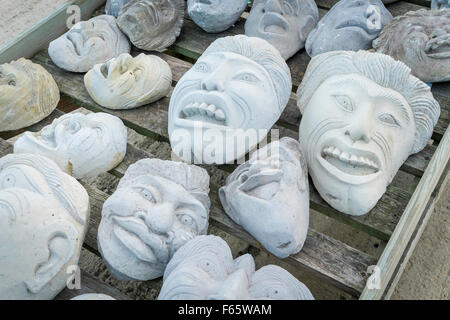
(74, 126)
(9, 181)
(146, 194)
(344, 102)
(12, 83)
(187, 220)
(388, 119)
(247, 77)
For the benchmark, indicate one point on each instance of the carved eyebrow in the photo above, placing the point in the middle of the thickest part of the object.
(399, 104)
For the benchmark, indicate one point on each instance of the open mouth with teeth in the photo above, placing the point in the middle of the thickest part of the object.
(272, 22)
(204, 112)
(349, 163)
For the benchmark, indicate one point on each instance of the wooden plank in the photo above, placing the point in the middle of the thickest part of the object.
(421, 201)
(39, 35)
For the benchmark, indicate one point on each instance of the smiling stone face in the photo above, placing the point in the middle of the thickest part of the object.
(269, 197)
(239, 83)
(88, 43)
(158, 206)
(420, 39)
(349, 25)
(360, 123)
(204, 269)
(152, 25)
(285, 24)
(215, 15)
(126, 82)
(81, 145)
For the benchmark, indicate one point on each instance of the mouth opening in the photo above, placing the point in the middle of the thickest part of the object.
(204, 112)
(350, 163)
(272, 22)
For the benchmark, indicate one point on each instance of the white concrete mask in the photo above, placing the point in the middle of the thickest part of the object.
(158, 206)
(238, 86)
(126, 82)
(88, 43)
(44, 215)
(204, 269)
(81, 145)
(215, 15)
(269, 197)
(363, 115)
(28, 94)
(285, 24)
(93, 296)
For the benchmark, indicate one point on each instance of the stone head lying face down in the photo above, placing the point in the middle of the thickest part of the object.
(420, 39)
(204, 269)
(238, 86)
(269, 197)
(158, 206)
(43, 219)
(152, 25)
(285, 24)
(349, 25)
(113, 7)
(440, 4)
(126, 82)
(215, 15)
(363, 115)
(88, 43)
(81, 145)
(28, 94)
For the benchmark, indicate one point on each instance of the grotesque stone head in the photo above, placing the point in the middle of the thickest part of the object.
(126, 82)
(420, 39)
(158, 206)
(215, 15)
(363, 115)
(238, 86)
(285, 24)
(440, 4)
(349, 25)
(28, 94)
(88, 43)
(204, 269)
(152, 25)
(81, 145)
(269, 197)
(43, 219)
(113, 7)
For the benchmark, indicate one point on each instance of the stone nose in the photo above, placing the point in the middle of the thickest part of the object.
(273, 6)
(159, 218)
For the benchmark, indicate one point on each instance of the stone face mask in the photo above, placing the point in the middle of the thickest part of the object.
(235, 91)
(269, 197)
(364, 114)
(215, 15)
(420, 39)
(349, 25)
(285, 24)
(126, 82)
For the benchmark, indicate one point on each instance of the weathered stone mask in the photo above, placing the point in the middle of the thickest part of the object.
(215, 15)
(349, 25)
(152, 25)
(204, 269)
(239, 84)
(113, 7)
(43, 219)
(28, 94)
(88, 43)
(420, 39)
(285, 24)
(440, 4)
(126, 82)
(81, 145)
(269, 197)
(363, 115)
(158, 206)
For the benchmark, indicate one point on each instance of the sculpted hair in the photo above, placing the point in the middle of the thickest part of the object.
(384, 71)
(263, 53)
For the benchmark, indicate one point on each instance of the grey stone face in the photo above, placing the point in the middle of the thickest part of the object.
(440, 4)
(113, 7)
(215, 15)
(349, 25)
(420, 39)
(152, 24)
(285, 24)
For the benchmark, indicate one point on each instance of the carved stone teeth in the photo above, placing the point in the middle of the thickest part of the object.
(204, 109)
(353, 159)
(346, 157)
(219, 115)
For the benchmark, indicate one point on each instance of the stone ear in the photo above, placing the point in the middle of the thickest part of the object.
(62, 242)
(228, 209)
(306, 29)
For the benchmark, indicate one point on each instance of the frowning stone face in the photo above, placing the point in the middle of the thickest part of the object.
(152, 25)
(158, 206)
(126, 82)
(88, 43)
(349, 25)
(113, 7)
(204, 269)
(285, 24)
(363, 115)
(420, 39)
(215, 15)
(269, 197)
